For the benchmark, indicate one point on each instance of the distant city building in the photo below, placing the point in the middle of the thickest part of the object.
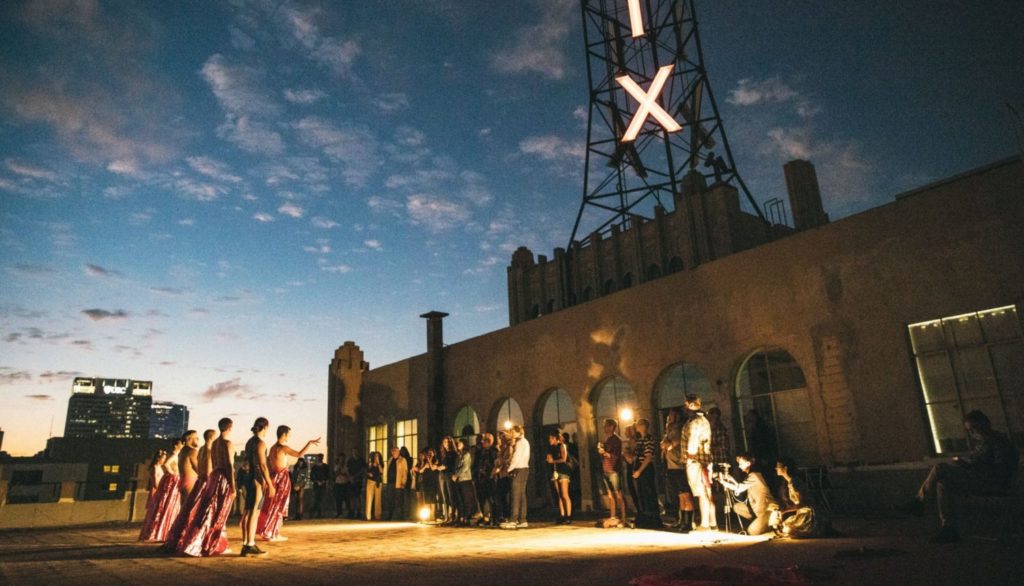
(167, 420)
(109, 408)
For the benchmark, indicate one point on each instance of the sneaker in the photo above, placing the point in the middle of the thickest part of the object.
(522, 525)
(913, 507)
(946, 535)
(509, 525)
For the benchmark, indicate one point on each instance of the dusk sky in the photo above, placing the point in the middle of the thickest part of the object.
(215, 195)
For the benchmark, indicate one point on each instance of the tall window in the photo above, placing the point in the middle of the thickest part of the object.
(377, 439)
(508, 413)
(558, 409)
(406, 436)
(467, 424)
(611, 397)
(967, 362)
(771, 383)
(675, 383)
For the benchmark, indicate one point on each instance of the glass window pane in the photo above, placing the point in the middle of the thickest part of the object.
(926, 336)
(785, 372)
(1008, 360)
(566, 410)
(990, 406)
(757, 375)
(672, 388)
(696, 382)
(792, 407)
(947, 428)
(1000, 324)
(613, 395)
(975, 372)
(965, 329)
(936, 378)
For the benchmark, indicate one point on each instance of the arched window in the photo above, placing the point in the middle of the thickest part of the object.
(467, 424)
(627, 281)
(771, 384)
(609, 286)
(610, 397)
(588, 293)
(507, 411)
(674, 384)
(653, 272)
(557, 409)
(675, 265)
(534, 311)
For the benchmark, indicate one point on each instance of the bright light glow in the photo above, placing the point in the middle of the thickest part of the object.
(636, 19)
(424, 514)
(648, 107)
(508, 424)
(626, 415)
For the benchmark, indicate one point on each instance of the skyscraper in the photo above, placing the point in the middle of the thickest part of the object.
(167, 420)
(109, 408)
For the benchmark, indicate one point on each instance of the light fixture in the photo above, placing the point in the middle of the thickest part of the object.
(508, 425)
(626, 414)
(424, 514)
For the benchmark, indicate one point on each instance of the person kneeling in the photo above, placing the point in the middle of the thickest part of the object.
(760, 504)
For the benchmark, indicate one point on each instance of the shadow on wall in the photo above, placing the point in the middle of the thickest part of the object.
(606, 359)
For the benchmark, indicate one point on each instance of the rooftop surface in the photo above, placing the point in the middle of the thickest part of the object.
(353, 552)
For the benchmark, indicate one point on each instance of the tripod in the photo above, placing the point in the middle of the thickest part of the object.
(729, 507)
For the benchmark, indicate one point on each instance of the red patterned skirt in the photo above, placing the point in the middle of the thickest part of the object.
(274, 511)
(204, 533)
(161, 509)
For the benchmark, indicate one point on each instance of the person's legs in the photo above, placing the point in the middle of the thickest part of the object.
(250, 515)
(759, 525)
(519, 495)
(565, 498)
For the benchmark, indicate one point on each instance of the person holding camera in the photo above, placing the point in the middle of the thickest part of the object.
(759, 504)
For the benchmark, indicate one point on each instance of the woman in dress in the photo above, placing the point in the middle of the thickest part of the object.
(374, 477)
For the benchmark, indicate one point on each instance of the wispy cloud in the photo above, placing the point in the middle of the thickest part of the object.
(354, 148)
(304, 97)
(324, 223)
(540, 48)
(751, 92)
(30, 270)
(263, 217)
(103, 314)
(335, 268)
(10, 376)
(229, 389)
(213, 168)
(291, 210)
(246, 104)
(39, 397)
(97, 271)
(26, 169)
(391, 102)
(435, 213)
(169, 291)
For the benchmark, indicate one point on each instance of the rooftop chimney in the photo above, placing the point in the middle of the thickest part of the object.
(435, 376)
(804, 195)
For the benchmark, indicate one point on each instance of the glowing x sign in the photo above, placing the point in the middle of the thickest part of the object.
(648, 107)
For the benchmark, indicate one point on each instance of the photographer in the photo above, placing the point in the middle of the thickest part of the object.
(759, 504)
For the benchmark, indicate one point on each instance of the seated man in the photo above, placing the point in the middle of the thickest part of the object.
(760, 503)
(988, 470)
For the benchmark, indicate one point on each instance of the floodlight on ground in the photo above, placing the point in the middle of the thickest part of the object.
(424, 514)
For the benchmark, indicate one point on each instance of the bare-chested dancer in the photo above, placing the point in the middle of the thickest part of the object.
(205, 535)
(274, 510)
(259, 484)
(187, 463)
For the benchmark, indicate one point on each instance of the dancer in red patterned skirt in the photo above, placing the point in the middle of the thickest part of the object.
(164, 500)
(193, 476)
(274, 510)
(156, 474)
(204, 533)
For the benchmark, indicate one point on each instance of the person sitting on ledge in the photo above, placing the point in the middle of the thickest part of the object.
(988, 469)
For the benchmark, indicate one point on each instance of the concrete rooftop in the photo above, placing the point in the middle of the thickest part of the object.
(353, 552)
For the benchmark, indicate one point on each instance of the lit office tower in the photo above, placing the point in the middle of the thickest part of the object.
(107, 407)
(168, 420)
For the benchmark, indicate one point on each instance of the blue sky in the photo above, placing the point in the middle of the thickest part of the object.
(215, 195)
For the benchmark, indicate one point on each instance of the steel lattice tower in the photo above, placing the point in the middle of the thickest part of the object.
(629, 177)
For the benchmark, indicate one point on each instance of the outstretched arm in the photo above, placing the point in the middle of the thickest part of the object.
(288, 450)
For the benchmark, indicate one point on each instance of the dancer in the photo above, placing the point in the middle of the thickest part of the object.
(188, 462)
(204, 533)
(163, 510)
(259, 484)
(274, 510)
(190, 485)
(156, 473)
